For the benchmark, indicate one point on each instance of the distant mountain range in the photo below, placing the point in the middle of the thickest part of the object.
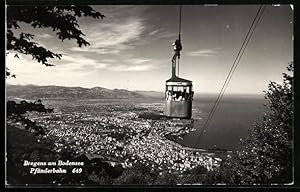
(60, 92)
(153, 94)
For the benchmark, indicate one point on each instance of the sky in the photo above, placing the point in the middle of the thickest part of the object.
(131, 48)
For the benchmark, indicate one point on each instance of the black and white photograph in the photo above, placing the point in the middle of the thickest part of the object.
(149, 95)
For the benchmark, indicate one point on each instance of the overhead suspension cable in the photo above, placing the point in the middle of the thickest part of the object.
(179, 36)
(233, 67)
(180, 20)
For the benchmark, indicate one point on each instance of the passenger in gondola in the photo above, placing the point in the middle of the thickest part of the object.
(169, 95)
(174, 95)
(192, 95)
(187, 96)
(184, 94)
(179, 96)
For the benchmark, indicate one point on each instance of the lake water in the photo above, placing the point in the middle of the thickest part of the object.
(234, 117)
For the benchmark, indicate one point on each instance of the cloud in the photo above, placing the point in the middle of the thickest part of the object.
(113, 36)
(90, 67)
(117, 12)
(203, 53)
(154, 32)
(24, 65)
(125, 29)
(132, 68)
(67, 71)
(109, 60)
(138, 61)
(161, 33)
(31, 72)
(129, 63)
(96, 50)
(80, 62)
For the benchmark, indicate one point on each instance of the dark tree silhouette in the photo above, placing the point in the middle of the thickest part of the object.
(267, 153)
(137, 174)
(268, 149)
(62, 19)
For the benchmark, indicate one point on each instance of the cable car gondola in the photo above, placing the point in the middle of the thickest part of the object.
(179, 92)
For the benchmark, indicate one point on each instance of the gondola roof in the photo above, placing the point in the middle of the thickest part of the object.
(179, 80)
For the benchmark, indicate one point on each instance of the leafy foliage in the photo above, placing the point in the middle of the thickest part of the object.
(62, 19)
(24, 106)
(266, 156)
(195, 175)
(15, 113)
(138, 174)
(166, 178)
(23, 145)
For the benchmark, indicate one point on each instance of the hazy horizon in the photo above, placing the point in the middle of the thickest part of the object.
(197, 94)
(131, 49)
